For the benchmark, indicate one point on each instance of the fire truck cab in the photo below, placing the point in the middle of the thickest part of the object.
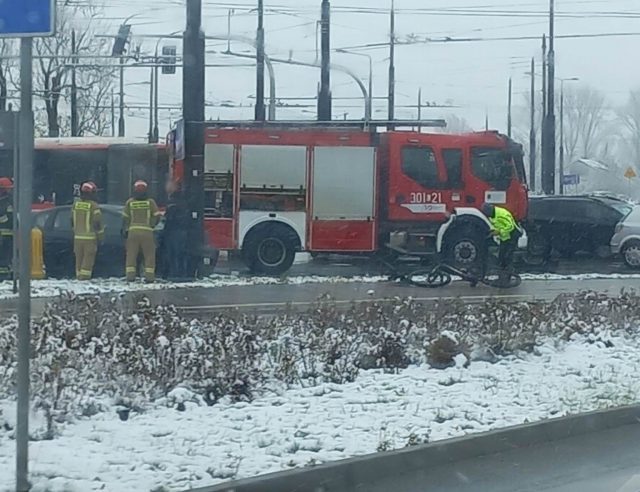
(272, 191)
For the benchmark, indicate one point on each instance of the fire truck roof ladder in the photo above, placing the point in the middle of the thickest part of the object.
(350, 124)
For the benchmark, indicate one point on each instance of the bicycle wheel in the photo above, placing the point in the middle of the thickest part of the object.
(431, 279)
(502, 280)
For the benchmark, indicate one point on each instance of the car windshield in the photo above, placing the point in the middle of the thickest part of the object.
(319, 245)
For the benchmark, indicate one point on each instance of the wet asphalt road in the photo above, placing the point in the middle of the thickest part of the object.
(270, 299)
(263, 299)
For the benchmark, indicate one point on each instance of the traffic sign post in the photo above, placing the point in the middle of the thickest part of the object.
(24, 189)
(630, 174)
(25, 19)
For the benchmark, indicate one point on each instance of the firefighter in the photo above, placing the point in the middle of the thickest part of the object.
(141, 215)
(6, 227)
(86, 220)
(505, 227)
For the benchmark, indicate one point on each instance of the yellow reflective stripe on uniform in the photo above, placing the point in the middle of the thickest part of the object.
(4, 232)
(149, 270)
(131, 270)
(140, 204)
(4, 219)
(85, 237)
(140, 228)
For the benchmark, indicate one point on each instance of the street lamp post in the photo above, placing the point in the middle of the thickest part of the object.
(561, 164)
(369, 107)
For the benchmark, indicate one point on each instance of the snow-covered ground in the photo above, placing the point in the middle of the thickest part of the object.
(164, 449)
(53, 287)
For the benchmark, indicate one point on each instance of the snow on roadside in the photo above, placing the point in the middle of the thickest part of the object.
(303, 426)
(53, 287)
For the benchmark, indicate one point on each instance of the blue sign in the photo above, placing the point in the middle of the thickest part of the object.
(571, 179)
(27, 18)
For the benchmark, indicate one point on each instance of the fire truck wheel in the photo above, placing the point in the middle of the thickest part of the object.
(270, 249)
(465, 247)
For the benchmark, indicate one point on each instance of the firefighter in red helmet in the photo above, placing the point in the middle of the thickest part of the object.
(141, 215)
(6, 227)
(87, 230)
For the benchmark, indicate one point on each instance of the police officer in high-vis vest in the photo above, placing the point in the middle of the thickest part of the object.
(6, 227)
(87, 230)
(141, 215)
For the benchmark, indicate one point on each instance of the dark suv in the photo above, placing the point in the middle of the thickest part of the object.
(572, 224)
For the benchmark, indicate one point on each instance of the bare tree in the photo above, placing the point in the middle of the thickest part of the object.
(7, 52)
(456, 124)
(586, 125)
(54, 58)
(629, 115)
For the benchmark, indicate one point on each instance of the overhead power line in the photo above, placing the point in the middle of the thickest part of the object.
(447, 39)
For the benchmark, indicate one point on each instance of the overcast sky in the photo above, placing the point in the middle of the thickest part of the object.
(472, 76)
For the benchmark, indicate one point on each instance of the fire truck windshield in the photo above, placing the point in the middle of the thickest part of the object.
(493, 166)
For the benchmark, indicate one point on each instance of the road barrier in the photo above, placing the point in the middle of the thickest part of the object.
(366, 473)
(37, 254)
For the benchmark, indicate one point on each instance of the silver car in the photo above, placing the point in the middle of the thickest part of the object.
(626, 239)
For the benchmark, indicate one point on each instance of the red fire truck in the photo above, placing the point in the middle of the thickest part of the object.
(274, 190)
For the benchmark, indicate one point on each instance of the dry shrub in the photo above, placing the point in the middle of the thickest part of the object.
(90, 351)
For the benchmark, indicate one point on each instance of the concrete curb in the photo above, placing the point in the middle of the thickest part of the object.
(355, 473)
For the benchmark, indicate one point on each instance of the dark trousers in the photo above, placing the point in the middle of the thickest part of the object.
(176, 254)
(507, 250)
(6, 256)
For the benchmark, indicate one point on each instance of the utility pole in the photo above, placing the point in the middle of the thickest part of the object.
(324, 97)
(24, 187)
(543, 123)
(509, 107)
(260, 111)
(419, 108)
(486, 120)
(392, 65)
(229, 14)
(549, 172)
(151, 113)
(561, 166)
(532, 131)
(113, 113)
(121, 119)
(156, 88)
(193, 85)
(74, 86)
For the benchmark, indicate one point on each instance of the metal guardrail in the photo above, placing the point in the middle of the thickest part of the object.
(363, 473)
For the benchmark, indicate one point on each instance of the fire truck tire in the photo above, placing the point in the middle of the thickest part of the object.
(270, 249)
(465, 247)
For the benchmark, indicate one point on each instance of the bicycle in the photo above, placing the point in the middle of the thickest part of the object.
(442, 275)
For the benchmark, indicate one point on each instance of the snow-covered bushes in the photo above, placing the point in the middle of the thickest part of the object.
(89, 351)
